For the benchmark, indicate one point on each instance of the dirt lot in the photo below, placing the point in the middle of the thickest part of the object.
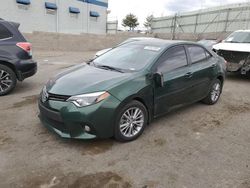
(198, 146)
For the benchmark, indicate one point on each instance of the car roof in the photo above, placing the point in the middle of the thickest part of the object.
(161, 42)
(141, 38)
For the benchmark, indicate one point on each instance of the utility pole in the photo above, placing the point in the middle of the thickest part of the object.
(174, 27)
(226, 22)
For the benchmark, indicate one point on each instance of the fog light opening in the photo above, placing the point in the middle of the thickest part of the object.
(87, 128)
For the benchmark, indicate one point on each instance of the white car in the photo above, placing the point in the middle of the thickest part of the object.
(235, 49)
(99, 53)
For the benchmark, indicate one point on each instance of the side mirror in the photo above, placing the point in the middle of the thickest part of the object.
(159, 80)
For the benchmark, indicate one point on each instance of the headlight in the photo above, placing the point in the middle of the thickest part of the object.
(88, 99)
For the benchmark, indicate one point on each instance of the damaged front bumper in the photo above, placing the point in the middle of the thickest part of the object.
(236, 61)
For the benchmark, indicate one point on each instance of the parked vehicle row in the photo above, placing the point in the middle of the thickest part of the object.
(120, 91)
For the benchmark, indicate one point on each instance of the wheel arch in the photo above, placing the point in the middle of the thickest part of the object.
(221, 78)
(9, 65)
(140, 99)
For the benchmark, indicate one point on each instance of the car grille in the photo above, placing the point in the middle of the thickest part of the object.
(56, 97)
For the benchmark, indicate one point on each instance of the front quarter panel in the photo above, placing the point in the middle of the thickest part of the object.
(221, 67)
(139, 88)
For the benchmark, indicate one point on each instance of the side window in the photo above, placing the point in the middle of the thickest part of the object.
(196, 53)
(4, 32)
(174, 58)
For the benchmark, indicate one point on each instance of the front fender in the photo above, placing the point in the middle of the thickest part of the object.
(140, 89)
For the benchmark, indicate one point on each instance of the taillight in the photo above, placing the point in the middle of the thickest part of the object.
(26, 46)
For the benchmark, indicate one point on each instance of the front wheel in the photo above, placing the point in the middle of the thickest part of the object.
(131, 121)
(214, 93)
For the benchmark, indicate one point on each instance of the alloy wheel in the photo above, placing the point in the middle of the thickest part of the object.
(215, 93)
(131, 122)
(5, 81)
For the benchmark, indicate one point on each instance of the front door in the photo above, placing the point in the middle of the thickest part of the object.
(173, 65)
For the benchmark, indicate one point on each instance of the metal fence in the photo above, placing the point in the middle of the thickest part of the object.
(206, 23)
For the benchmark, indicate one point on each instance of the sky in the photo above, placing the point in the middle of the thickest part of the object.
(142, 8)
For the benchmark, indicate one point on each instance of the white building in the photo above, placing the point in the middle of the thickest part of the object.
(63, 16)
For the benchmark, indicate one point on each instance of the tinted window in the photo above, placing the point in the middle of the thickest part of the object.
(174, 58)
(196, 53)
(4, 32)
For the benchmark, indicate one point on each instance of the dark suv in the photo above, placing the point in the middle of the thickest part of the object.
(15, 57)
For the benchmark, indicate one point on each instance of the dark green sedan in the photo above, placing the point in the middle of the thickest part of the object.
(119, 93)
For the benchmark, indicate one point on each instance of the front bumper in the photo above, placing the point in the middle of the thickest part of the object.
(241, 67)
(68, 121)
(26, 68)
(233, 67)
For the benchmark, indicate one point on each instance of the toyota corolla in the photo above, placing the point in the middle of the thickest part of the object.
(119, 93)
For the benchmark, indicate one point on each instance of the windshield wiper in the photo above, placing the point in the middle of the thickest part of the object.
(109, 68)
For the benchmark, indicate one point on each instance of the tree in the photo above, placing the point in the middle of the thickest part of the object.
(148, 22)
(130, 21)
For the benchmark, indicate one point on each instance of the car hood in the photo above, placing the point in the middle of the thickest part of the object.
(83, 79)
(238, 47)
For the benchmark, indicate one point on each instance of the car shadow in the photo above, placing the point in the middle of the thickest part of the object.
(237, 77)
(177, 111)
(21, 87)
(85, 147)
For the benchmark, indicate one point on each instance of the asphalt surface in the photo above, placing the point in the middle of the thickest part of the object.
(196, 146)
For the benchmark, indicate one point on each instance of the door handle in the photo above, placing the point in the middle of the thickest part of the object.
(189, 74)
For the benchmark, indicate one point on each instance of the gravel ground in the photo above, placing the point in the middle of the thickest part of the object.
(196, 146)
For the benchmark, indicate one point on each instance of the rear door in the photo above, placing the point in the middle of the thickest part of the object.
(5, 43)
(173, 64)
(202, 65)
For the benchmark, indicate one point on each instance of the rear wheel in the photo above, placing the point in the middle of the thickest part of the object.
(131, 121)
(214, 93)
(7, 80)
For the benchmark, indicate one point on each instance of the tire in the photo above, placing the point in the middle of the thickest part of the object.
(214, 93)
(8, 80)
(130, 128)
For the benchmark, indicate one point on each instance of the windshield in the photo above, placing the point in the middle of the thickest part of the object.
(128, 57)
(239, 37)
